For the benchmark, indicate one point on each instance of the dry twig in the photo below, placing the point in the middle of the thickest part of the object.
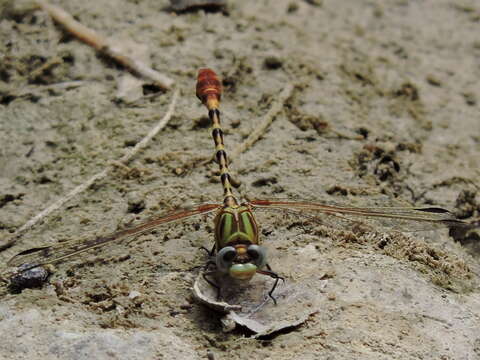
(103, 46)
(265, 123)
(82, 187)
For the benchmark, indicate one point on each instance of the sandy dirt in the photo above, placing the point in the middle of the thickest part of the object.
(385, 108)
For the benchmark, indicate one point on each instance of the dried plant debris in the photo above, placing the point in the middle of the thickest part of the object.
(104, 46)
(27, 277)
(248, 304)
(186, 5)
(443, 269)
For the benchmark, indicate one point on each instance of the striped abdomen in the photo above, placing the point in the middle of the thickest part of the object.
(209, 91)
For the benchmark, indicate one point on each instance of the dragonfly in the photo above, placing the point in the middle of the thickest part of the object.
(237, 252)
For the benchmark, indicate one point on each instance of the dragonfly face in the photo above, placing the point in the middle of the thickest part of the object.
(237, 245)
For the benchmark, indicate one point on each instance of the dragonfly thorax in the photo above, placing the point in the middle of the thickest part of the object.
(235, 225)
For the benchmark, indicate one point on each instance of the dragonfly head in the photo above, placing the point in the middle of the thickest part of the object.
(241, 261)
(236, 236)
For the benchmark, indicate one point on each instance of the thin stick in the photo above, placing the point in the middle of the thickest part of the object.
(161, 124)
(102, 45)
(125, 159)
(37, 89)
(265, 123)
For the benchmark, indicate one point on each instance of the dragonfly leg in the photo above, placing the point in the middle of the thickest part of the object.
(212, 283)
(207, 267)
(209, 252)
(273, 275)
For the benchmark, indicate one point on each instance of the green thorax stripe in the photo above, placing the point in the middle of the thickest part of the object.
(235, 225)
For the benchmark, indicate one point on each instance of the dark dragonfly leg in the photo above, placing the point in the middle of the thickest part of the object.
(209, 252)
(207, 272)
(211, 282)
(273, 275)
(208, 263)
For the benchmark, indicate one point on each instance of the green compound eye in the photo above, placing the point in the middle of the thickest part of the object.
(225, 257)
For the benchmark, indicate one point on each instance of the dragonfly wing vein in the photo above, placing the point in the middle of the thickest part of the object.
(405, 219)
(56, 253)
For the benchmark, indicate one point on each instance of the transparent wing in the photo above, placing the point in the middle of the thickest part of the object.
(344, 217)
(55, 253)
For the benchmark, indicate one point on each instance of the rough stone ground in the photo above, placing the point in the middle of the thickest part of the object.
(386, 106)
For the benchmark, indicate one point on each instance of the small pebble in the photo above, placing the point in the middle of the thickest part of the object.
(292, 7)
(470, 98)
(31, 278)
(228, 324)
(272, 63)
(134, 294)
(186, 306)
(182, 5)
(136, 203)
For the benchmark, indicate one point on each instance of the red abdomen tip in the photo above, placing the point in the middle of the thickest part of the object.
(209, 87)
